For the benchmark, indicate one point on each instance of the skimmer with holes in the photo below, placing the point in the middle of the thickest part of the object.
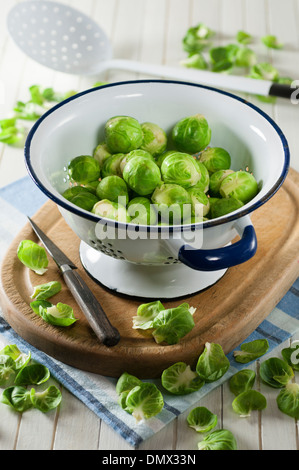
(64, 39)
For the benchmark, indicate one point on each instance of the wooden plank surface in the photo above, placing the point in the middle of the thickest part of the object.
(159, 44)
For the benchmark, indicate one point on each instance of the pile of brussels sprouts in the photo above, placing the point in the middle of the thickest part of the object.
(138, 174)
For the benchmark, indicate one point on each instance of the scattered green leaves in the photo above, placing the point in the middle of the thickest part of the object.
(251, 350)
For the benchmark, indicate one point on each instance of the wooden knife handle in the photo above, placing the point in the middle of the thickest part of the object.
(91, 308)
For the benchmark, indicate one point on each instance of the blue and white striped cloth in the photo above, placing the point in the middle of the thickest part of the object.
(23, 198)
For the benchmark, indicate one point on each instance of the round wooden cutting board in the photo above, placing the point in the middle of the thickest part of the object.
(226, 313)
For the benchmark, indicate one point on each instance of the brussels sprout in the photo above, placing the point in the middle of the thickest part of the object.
(36, 304)
(179, 379)
(204, 181)
(32, 374)
(126, 382)
(45, 291)
(276, 372)
(180, 168)
(112, 187)
(247, 401)
(245, 57)
(201, 419)
(47, 400)
(84, 169)
(142, 211)
(101, 153)
(215, 158)
(288, 400)
(264, 71)
(154, 138)
(111, 210)
(200, 204)
(58, 315)
(197, 38)
(196, 61)
(251, 350)
(212, 364)
(135, 153)
(146, 314)
(170, 325)
(7, 370)
(243, 38)
(173, 202)
(111, 165)
(271, 41)
(142, 175)
(242, 381)
(222, 439)
(123, 134)
(291, 356)
(224, 54)
(81, 197)
(144, 401)
(241, 184)
(17, 397)
(224, 206)
(91, 186)
(20, 359)
(191, 134)
(33, 256)
(216, 180)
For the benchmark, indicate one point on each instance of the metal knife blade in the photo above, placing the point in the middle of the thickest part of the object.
(84, 297)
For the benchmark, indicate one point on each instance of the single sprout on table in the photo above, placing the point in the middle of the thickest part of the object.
(144, 401)
(142, 211)
(81, 197)
(222, 439)
(241, 184)
(248, 401)
(180, 168)
(142, 175)
(101, 153)
(215, 159)
(154, 138)
(112, 165)
(33, 256)
(179, 379)
(191, 134)
(251, 350)
(242, 381)
(58, 315)
(224, 206)
(200, 204)
(201, 419)
(216, 179)
(135, 153)
(112, 188)
(212, 364)
(123, 134)
(84, 169)
(45, 291)
(173, 203)
(111, 210)
(288, 400)
(276, 372)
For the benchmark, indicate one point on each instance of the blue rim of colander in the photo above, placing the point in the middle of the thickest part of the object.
(209, 223)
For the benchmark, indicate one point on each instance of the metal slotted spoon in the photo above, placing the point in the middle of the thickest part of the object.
(64, 39)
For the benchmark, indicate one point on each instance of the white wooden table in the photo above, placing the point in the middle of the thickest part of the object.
(151, 31)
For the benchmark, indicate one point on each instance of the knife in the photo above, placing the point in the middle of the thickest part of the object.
(88, 303)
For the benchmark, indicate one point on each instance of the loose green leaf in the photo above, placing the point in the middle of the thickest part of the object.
(17, 397)
(242, 381)
(47, 400)
(7, 370)
(20, 359)
(248, 401)
(197, 38)
(58, 315)
(34, 374)
(245, 57)
(201, 419)
(45, 291)
(36, 304)
(179, 379)
(243, 38)
(196, 61)
(212, 364)
(172, 324)
(276, 372)
(126, 382)
(144, 401)
(221, 439)
(288, 400)
(291, 356)
(251, 350)
(146, 313)
(33, 256)
(264, 71)
(271, 41)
